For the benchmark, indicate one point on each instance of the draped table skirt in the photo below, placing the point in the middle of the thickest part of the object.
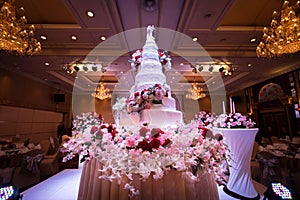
(172, 186)
(240, 143)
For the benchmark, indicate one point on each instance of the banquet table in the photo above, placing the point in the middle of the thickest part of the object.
(172, 186)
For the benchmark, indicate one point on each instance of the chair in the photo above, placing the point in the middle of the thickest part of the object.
(29, 172)
(269, 167)
(49, 164)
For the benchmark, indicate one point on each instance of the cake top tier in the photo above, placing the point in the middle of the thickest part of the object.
(150, 51)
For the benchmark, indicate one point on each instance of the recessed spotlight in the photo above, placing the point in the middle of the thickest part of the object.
(76, 68)
(249, 65)
(73, 37)
(102, 38)
(195, 39)
(90, 13)
(43, 37)
(47, 64)
(121, 72)
(181, 64)
(94, 67)
(252, 39)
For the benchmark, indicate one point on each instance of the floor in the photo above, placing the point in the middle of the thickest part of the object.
(65, 184)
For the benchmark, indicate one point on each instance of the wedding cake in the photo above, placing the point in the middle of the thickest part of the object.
(150, 101)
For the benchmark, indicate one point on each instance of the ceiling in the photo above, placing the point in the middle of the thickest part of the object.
(224, 29)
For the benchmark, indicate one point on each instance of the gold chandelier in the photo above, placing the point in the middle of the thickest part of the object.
(195, 92)
(283, 36)
(101, 92)
(15, 35)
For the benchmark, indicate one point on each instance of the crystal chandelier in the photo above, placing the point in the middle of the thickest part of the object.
(15, 36)
(101, 92)
(195, 92)
(283, 36)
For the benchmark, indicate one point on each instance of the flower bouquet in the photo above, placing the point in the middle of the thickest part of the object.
(144, 99)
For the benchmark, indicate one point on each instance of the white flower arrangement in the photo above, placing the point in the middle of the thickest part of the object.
(124, 152)
(234, 120)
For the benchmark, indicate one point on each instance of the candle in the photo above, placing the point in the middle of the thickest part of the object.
(230, 104)
(233, 107)
(223, 104)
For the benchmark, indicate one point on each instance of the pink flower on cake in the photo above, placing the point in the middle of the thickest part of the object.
(136, 57)
(158, 94)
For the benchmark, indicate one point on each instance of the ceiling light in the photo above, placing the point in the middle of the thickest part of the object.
(103, 70)
(252, 39)
(181, 64)
(102, 38)
(43, 37)
(73, 37)
(195, 39)
(211, 68)
(249, 65)
(283, 35)
(121, 72)
(47, 64)
(90, 13)
(16, 36)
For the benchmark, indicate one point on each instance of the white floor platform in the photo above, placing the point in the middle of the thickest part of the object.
(64, 186)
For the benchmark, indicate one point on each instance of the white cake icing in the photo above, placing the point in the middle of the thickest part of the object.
(163, 114)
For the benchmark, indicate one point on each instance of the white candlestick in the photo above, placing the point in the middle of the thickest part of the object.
(233, 107)
(230, 104)
(223, 104)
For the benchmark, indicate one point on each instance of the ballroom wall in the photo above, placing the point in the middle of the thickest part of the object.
(27, 107)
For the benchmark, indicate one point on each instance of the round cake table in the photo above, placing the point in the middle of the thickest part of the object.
(172, 186)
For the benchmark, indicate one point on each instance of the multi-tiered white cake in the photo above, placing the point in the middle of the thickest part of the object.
(150, 96)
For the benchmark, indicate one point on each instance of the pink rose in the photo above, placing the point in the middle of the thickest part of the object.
(147, 105)
(143, 131)
(158, 95)
(130, 141)
(94, 129)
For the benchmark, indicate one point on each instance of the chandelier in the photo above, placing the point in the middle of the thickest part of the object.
(195, 92)
(101, 92)
(283, 36)
(15, 35)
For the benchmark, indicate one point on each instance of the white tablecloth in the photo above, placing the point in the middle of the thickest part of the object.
(240, 143)
(171, 187)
